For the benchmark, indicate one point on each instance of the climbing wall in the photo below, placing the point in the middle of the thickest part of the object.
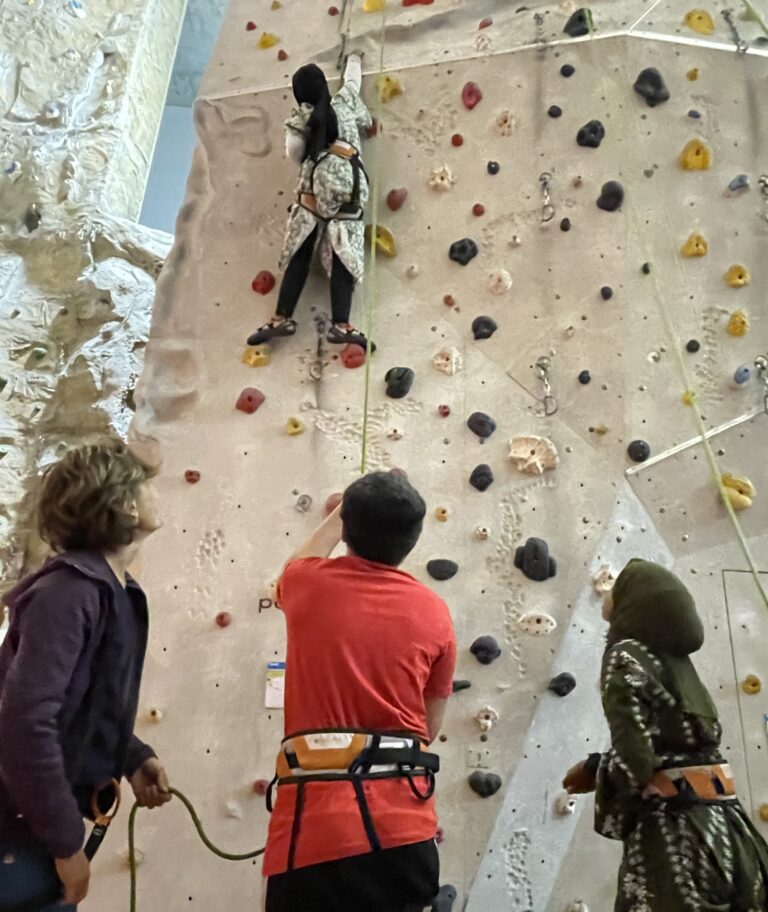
(514, 209)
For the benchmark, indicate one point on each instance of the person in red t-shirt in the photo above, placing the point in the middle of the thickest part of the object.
(370, 662)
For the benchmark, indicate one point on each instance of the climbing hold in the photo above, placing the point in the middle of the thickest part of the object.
(591, 134)
(332, 502)
(603, 580)
(442, 178)
(585, 377)
(695, 246)
(565, 224)
(399, 381)
(251, 27)
(396, 198)
(515, 241)
(448, 360)
(751, 685)
(688, 397)
(738, 276)
(695, 156)
(505, 123)
(484, 784)
(463, 251)
(457, 140)
(441, 514)
(395, 434)
(499, 281)
(294, 427)
(156, 715)
(764, 812)
(481, 424)
(537, 623)
(492, 167)
(282, 54)
(449, 300)
(693, 74)
(388, 87)
(562, 685)
(567, 70)
(578, 906)
(741, 376)
(250, 400)
(611, 196)
(442, 569)
(373, 6)
(646, 269)
(304, 503)
(650, 85)
(482, 533)
(693, 345)
(471, 95)
(739, 184)
(606, 293)
(483, 327)
(223, 619)
(445, 899)
(268, 40)
(638, 451)
(443, 411)
(565, 805)
(478, 209)
(192, 476)
(418, 2)
(461, 685)
(739, 490)
(485, 649)
(533, 455)
(275, 5)
(534, 560)
(482, 477)
(555, 111)
(333, 11)
(700, 21)
(256, 356)
(385, 241)
(738, 324)
(579, 24)
(353, 355)
(487, 717)
(413, 270)
(696, 115)
(263, 283)
(260, 787)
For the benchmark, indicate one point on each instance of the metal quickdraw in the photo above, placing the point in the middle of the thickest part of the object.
(761, 363)
(548, 402)
(741, 45)
(547, 209)
(102, 819)
(763, 184)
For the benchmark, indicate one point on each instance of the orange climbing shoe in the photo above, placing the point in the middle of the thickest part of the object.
(272, 330)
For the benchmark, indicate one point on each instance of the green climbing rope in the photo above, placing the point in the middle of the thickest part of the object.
(227, 856)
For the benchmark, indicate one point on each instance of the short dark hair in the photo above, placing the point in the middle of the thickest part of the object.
(383, 515)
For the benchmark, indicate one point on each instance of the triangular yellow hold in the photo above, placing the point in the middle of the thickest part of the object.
(385, 241)
(700, 21)
(373, 6)
(695, 246)
(738, 276)
(388, 87)
(268, 40)
(695, 156)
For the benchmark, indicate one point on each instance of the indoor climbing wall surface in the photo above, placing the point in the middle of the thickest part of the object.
(554, 201)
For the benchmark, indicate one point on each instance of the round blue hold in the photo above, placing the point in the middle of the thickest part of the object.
(742, 375)
(696, 115)
(567, 70)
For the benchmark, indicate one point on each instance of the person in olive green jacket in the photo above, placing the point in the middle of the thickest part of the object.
(663, 787)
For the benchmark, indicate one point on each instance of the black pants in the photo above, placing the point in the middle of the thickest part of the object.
(295, 278)
(405, 879)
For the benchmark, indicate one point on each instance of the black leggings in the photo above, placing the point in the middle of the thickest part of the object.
(295, 278)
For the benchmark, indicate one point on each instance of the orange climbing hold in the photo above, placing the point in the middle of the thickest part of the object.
(256, 356)
(738, 276)
(268, 40)
(282, 55)
(695, 156)
(700, 21)
(695, 246)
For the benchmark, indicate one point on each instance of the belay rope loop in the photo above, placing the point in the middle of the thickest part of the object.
(227, 856)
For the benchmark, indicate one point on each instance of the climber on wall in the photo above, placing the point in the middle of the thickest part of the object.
(70, 668)
(370, 663)
(663, 788)
(323, 137)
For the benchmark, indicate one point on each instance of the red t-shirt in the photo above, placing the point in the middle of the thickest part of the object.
(367, 645)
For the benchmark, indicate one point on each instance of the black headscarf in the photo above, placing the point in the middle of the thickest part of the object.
(311, 88)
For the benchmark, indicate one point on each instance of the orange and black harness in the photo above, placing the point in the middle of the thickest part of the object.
(708, 784)
(352, 210)
(354, 756)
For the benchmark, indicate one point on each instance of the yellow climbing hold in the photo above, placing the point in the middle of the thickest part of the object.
(695, 246)
(441, 514)
(695, 156)
(693, 74)
(739, 490)
(700, 21)
(738, 324)
(373, 6)
(689, 397)
(764, 812)
(385, 241)
(751, 685)
(268, 40)
(738, 276)
(276, 5)
(257, 356)
(388, 87)
(294, 427)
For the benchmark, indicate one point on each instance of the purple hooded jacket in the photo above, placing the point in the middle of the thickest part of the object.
(52, 673)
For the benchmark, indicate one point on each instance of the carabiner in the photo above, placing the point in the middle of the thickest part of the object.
(102, 819)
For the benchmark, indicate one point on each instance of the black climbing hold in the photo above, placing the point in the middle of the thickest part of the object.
(579, 24)
(567, 70)
(481, 477)
(646, 268)
(591, 134)
(32, 218)
(463, 251)
(445, 899)
(442, 569)
(399, 381)
(585, 377)
(461, 685)
(493, 167)
(563, 684)
(611, 196)
(555, 111)
(483, 327)
(606, 292)
(565, 225)
(534, 560)
(484, 784)
(481, 424)
(650, 84)
(696, 115)
(638, 451)
(693, 346)
(485, 649)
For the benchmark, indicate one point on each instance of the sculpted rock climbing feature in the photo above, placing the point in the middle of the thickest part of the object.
(579, 24)
(483, 327)
(700, 21)
(485, 649)
(250, 400)
(739, 490)
(463, 251)
(471, 95)
(696, 156)
(650, 85)
(563, 684)
(481, 424)
(484, 784)
(695, 246)
(611, 196)
(396, 198)
(499, 282)
(399, 381)
(442, 179)
(534, 560)
(442, 569)
(482, 477)
(591, 134)
(537, 623)
(738, 276)
(533, 455)
(448, 361)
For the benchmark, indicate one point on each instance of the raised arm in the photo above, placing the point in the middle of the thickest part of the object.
(353, 72)
(323, 540)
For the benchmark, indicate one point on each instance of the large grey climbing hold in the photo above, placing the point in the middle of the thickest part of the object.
(611, 196)
(483, 327)
(563, 684)
(534, 560)
(463, 251)
(481, 424)
(445, 899)
(579, 24)
(442, 569)
(484, 784)
(591, 134)
(461, 685)
(650, 85)
(481, 477)
(399, 381)
(485, 649)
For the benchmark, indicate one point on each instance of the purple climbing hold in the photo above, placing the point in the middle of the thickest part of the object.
(555, 111)
(591, 135)
(481, 424)
(445, 899)
(442, 569)
(579, 24)
(399, 381)
(463, 251)
(611, 196)
(563, 684)
(481, 477)
(460, 685)
(650, 85)
(485, 649)
(534, 560)
(567, 70)
(639, 451)
(484, 784)
(483, 327)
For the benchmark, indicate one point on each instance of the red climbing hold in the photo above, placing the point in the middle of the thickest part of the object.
(457, 140)
(443, 411)
(471, 95)
(333, 11)
(263, 283)
(282, 54)
(353, 355)
(478, 209)
(449, 300)
(333, 501)
(192, 476)
(249, 400)
(485, 23)
(251, 27)
(396, 198)
(418, 2)
(260, 787)
(223, 619)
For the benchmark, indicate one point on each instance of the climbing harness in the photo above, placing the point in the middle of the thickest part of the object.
(741, 45)
(245, 856)
(547, 209)
(761, 363)
(701, 784)
(355, 756)
(547, 401)
(350, 211)
(102, 819)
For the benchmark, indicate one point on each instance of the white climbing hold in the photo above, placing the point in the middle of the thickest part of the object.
(448, 360)
(578, 906)
(487, 717)
(533, 455)
(482, 533)
(505, 123)
(603, 580)
(442, 178)
(270, 587)
(138, 857)
(234, 810)
(565, 805)
(537, 623)
(413, 270)
(156, 715)
(499, 281)
(515, 241)
(395, 434)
